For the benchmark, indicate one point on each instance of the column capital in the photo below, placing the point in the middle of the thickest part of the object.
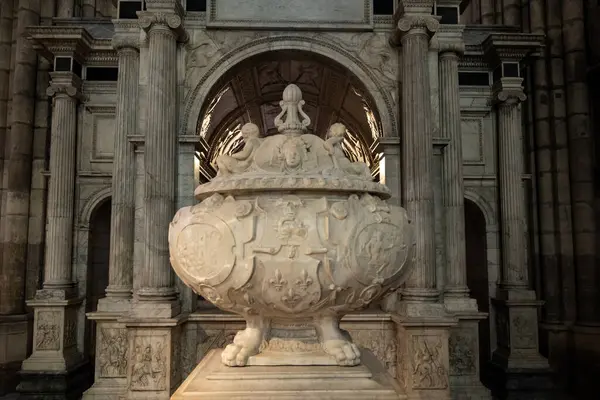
(509, 91)
(127, 35)
(126, 42)
(417, 23)
(171, 20)
(65, 84)
(449, 39)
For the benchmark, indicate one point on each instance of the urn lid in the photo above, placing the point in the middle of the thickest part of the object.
(292, 160)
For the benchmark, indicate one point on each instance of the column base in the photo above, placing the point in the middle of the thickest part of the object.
(211, 380)
(142, 308)
(423, 354)
(14, 333)
(465, 380)
(65, 385)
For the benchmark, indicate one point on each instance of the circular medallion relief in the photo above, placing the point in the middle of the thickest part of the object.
(380, 253)
(206, 252)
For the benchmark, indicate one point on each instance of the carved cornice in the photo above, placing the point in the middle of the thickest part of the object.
(509, 91)
(499, 47)
(51, 41)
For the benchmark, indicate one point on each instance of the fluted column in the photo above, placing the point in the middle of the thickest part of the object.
(417, 151)
(65, 8)
(88, 8)
(451, 47)
(164, 28)
(64, 90)
(509, 96)
(120, 273)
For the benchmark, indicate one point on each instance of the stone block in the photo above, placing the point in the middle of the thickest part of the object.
(213, 380)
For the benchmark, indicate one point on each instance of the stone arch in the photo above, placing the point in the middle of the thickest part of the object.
(484, 206)
(93, 202)
(195, 100)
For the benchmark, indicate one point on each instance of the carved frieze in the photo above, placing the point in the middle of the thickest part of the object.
(48, 330)
(382, 342)
(428, 369)
(462, 347)
(113, 352)
(149, 369)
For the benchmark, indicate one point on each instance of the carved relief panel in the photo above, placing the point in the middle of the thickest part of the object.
(149, 361)
(48, 330)
(112, 352)
(463, 350)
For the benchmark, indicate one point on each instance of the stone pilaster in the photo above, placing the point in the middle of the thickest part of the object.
(414, 31)
(423, 325)
(163, 24)
(65, 8)
(154, 324)
(111, 338)
(464, 338)
(516, 359)
(88, 8)
(55, 354)
(120, 273)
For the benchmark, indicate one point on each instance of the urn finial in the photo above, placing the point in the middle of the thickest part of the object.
(296, 121)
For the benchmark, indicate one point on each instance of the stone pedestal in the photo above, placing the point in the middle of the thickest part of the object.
(423, 356)
(55, 370)
(517, 370)
(153, 359)
(465, 381)
(112, 352)
(211, 380)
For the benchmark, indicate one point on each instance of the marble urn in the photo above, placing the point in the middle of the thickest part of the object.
(291, 235)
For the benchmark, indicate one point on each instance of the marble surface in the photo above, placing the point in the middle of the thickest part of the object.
(212, 380)
(292, 235)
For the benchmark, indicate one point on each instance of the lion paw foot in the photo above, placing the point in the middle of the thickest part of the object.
(345, 352)
(245, 345)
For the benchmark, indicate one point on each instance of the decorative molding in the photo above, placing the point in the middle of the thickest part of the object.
(257, 20)
(467, 119)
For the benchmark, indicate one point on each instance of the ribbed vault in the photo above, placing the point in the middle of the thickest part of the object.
(251, 92)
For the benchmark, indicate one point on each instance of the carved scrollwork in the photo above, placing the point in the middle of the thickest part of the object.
(414, 23)
(126, 42)
(163, 21)
(56, 90)
(510, 97)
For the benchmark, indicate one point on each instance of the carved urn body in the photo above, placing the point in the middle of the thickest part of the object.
(292, 235)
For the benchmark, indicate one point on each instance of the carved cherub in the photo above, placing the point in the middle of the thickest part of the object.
(333, 145)
(291, 154)
(240, 161)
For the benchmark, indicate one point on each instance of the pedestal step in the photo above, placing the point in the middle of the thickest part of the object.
(215, 381)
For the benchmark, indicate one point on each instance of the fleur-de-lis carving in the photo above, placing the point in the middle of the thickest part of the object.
(278, 282)
(304, 281)
(291, 298)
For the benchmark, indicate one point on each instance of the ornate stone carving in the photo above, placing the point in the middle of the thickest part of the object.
(297, 233)
(462, 352)
(524, 336)
(113, 352)
(149, 367)
(382, 343)
(428, 370)
(48, 330)
(427, 23)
